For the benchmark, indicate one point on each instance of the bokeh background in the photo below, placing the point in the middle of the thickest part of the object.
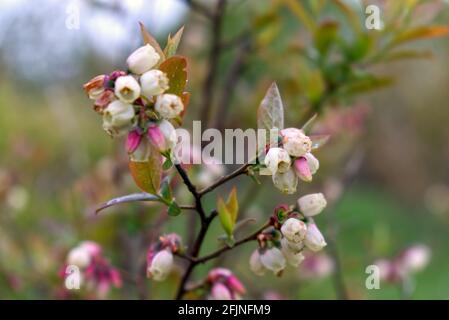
(384, 169)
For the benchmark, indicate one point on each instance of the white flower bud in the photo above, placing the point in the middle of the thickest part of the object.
(313, 162)
(314, 240)
(169, 106)
(153, 82)
(255, 264)
(296, 142)
(127, 89)
(286, 182)
(312, 204)
(294, 230)
(118, 118)
(79, 256)
(273, 260)
(277, 160)
(161, 265)
(293, 258)
(143, 59)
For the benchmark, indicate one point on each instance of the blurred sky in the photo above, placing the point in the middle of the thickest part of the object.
(42, 40)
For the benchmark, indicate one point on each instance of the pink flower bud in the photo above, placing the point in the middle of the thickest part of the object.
(157, 138)
(302, 169)
(133, 141)
(235, 285)
(220, 292)
(218, 273)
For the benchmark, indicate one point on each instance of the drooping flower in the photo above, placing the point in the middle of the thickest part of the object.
(127, 89)
(286, 182)
(277, 160)
(255, 264)
(169, 106)
(153, 83)
(118, 118)
(295, 142)
(95, 87)
(142, 59)
(314, 239)
(312, 204)
(273, 260)
(293, 258)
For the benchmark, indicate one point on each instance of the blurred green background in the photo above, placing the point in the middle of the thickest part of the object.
(57, 164)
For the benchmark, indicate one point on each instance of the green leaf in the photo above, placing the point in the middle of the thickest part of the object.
(167, 164)
(173, 43)
(422, 32)
(233, 206)
(325, 36)
(173, 209)
(149, 39)
(165, 191)
(225, 217)
(407, 54)
(365, 84)
(175, 68)
(147, 174)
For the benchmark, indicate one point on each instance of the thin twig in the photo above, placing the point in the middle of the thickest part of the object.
(192, 189)
(242, 170)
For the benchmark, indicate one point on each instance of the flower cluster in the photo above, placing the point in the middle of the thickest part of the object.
(96, 272)
(291, 160)
(224, 285)
(160, 256)
(137, 103)
(409, 261)
(291, 232)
